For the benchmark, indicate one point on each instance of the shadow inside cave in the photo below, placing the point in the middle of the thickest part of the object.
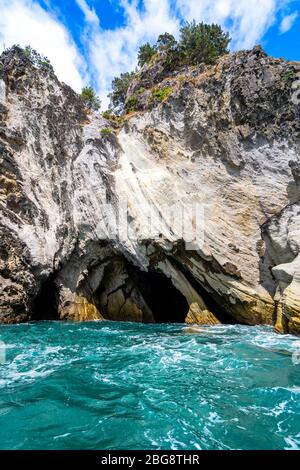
(153, 289)
(167, 303)
(45, 305)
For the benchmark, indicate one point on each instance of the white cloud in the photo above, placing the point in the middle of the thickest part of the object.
(287, 22)
(25, 22)
(89, 13)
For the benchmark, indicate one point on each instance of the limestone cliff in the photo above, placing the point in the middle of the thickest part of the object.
(223, 138)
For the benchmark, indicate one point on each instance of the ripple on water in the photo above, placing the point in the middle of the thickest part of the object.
(103, 385)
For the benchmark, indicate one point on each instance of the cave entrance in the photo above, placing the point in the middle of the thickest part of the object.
(45, 306)
(167, 303)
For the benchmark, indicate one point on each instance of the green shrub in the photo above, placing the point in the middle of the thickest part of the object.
(131, 104)
(141, 90)
(160, 94)
(91, 100)
(286, 76)
(110, 116)
(119, 121)
(106, 131)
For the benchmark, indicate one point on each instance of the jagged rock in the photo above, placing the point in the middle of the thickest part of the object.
(224, 140)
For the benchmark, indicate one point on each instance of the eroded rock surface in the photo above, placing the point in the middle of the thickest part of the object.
(226, 139)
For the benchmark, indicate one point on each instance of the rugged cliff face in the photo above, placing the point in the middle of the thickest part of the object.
(219, 146)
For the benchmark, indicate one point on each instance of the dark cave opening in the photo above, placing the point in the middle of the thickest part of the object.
(45, 306)
(167, 303)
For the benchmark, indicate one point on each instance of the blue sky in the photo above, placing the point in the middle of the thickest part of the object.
(91, 41)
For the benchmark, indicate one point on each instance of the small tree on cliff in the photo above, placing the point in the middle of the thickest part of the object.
(90, 98)
(120, 87)
(203, 42)
(168, 46)
(37, 59)
(166, 42)
(145, 53)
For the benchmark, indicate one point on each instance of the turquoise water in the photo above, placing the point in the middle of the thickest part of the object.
(105, 385)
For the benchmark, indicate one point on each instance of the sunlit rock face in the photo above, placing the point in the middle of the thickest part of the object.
(214, 165)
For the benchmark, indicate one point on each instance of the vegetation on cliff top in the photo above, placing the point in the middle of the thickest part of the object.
(198, 43)
(37, 60)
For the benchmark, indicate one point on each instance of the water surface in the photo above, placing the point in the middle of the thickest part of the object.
(108, 385)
